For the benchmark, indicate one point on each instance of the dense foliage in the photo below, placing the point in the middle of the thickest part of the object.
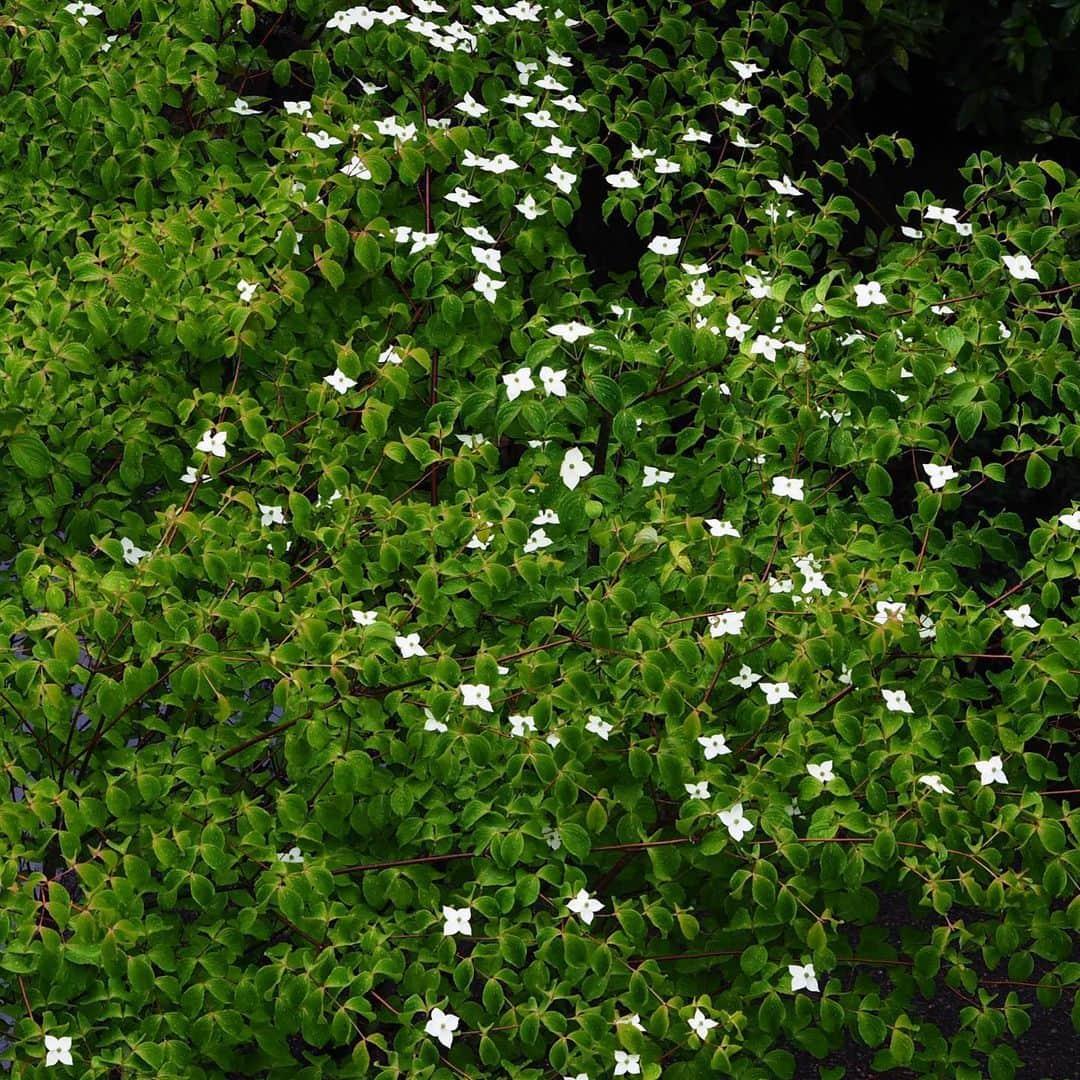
(424, 656)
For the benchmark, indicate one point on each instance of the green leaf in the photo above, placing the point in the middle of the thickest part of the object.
(30, 455)
(1036, 472)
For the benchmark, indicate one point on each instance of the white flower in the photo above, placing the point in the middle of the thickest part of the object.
(1004, 331)
(991, 772)
(569, 103)
(58, 1049)
(740, 141)
(340, 381)
(297, 108)
(293, 855)
(487, 287)
(736, 328)
(517, 382)
(785, 186)
(910, 233)
(409, 645)
(655, 476)
(896, 701)
(634, 1021)
(623, 179)
(698, 791)
(389, 355)
(697, 296)
(522, 101)
(537, 540)
(191, 475)
(664, 245)
(212, 442)
(714, 746)
(476, 544)
(793, 810)
(701, 1025)
(736, 108)
(489, 257)
(584, 906)
(745, 70)
(546, 517)
(598, 727)
(462, 197)
(519, 724)
(529, 208)
(574, 468)
(627, 1064)
(932, 780)
(271, 515)
(323, 139)
(787, 486)
(1020, 617)
(431, 723)
(766, 346)
(887, 610)
(457, 920)
(552, 838)
(727, 622)
(570, 332)
(246, 289)
(746, 677)
(737, 825)
(363, 618)
(1020, 267)
(553, 381)
(940, 475)
(664, 167)
(823, 772)
(471, 107)
(559, 148)
(478, 233)
(541, 118)
(442, 1026)
(869, 293)
(696, 135)
(803, 977)
(392, 126)
(370, 88)
(476, 695)
(548, 82)
(845, 675)
(721, 528)
(1071, 520)
(242, 108)
(563, 180)
(776, 692)
(133, 554)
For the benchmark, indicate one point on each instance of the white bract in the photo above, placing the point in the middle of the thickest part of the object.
(242, 108)
(701, 1025)
(271, 515)
(726, 622)
(409, 645)
(785, 186)
(745, 70)
(803, 977)
(536, 540)
(553, 382)
(664, 245)
(1071, 520)
(1021, 618)
(432, 723)
(517, 382)
(442, 1026)
(520, 724)
(363, 618)
(625, 180)
(570, 332)
(574, 468)
(896, 701)
(132, 554)
(584, 906)
(737, 825)
(293, 855)
(746, 677)
(933, 781)
(340, 381)
(776, 692)
(655, 476)
(714, 746)
(58, 1048)
(939, 475)
(822, 773)
(298, 108)
(991, 771)
(721, 528)
(1020, 267)
(868, 294)
(698, 791)
(788, 487)
(246, 289)
(627, 1064)
(476, 695)
(212, 442)
(529, 208)
(456, 920)
(887, 610)
(487, 287)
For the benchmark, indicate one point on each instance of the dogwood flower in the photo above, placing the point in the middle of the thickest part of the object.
(764, 345)
(803, 977)
(927, 629)
(340, 381)
(271, 515)
(697, 296)
(546, 517)
(910, 233)
(1071, 520)
(788, 487)
(559, 149)
(293, 855)
(627, 1064)
(529, 208)
(634, 1021)
(1020, 267)
(58, 1048)
(664, 245)
(471, 107)
(487, 287)
(785, 186)
(736, 328)
(356, 169)
(461, 197)
(491, 258)
(541, 118)
(191, 475)
(563, 180)
(896, 701)
(745, 70)
(737, 825)
(212, 442)
(776, 692)
(431, 723)
(739, 140)
(553, 381)
(721, 528)
(552, 838)
(869, 293)
(323, 139)
(625, 180)
(584, 906)
(574, 468)
(297, 108)
(939, 475)
(714, 746)
(570, 332)
(536, 541)
(696, 135)
(598, 727)
(456, 920)
(887, 610)
(132, 554)
(363, 618)
(442, 1026)
(664, 167)
(519, 724)
(698, 791)
(655, 476)
(746, 677)
(517, 382)
(242, 108)
(727, 622)
(409, 645)
(991, 771)
(823, 772)
(932, 780)
(701, 1025)
(246, 289)
(390, 355)
(1021, 618)
(736, 108)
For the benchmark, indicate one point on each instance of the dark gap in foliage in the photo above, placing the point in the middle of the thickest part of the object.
(607, 247)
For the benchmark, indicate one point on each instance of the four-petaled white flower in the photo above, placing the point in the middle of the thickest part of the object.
(212, 442)
(1020, 267)
(242, 108)
(697, 135)
(442, 1026)
(471, 107)
(570, 332)
(563, 180)
(340, 381)
(1021, 618)
(520, 724)
(293, 855)
(456, 920)
(701, 1025)
(584, 906)
(553, 382)
(736, 328)
(726, 622)
(991, 771)
(745, 70)
(598, 727)
(787, 486)
(764, 345)
(132, 554)
(823, 772)
(869, 293)
(487, 287)
(409, 645)
(721, 528)
(517, 382)
(698, 791)
(297, 108)
(574, 468)
(529, 208)
(323, 139)
(737, 825)
(462, 197)
(803, 977)
(552, 838)
(634, 1021)
(431, 722)
(939, 475)
(624, 179)
(932, 780)
(1071, 520)
(785, 186)
(664, 245)
(536, 540)
(476, 695)
(271, 515)
(665, 167)
(58, 1048)
(746, 677)
(896, 701)
(655, 476)
(363, 618)
(489, 257)
(887, 610)
(714, 746)
(355, 168)
(246, 289)
(627, 1064)
(776, 692)
(736, 108)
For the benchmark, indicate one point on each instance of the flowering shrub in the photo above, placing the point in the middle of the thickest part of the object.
(428, 655)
